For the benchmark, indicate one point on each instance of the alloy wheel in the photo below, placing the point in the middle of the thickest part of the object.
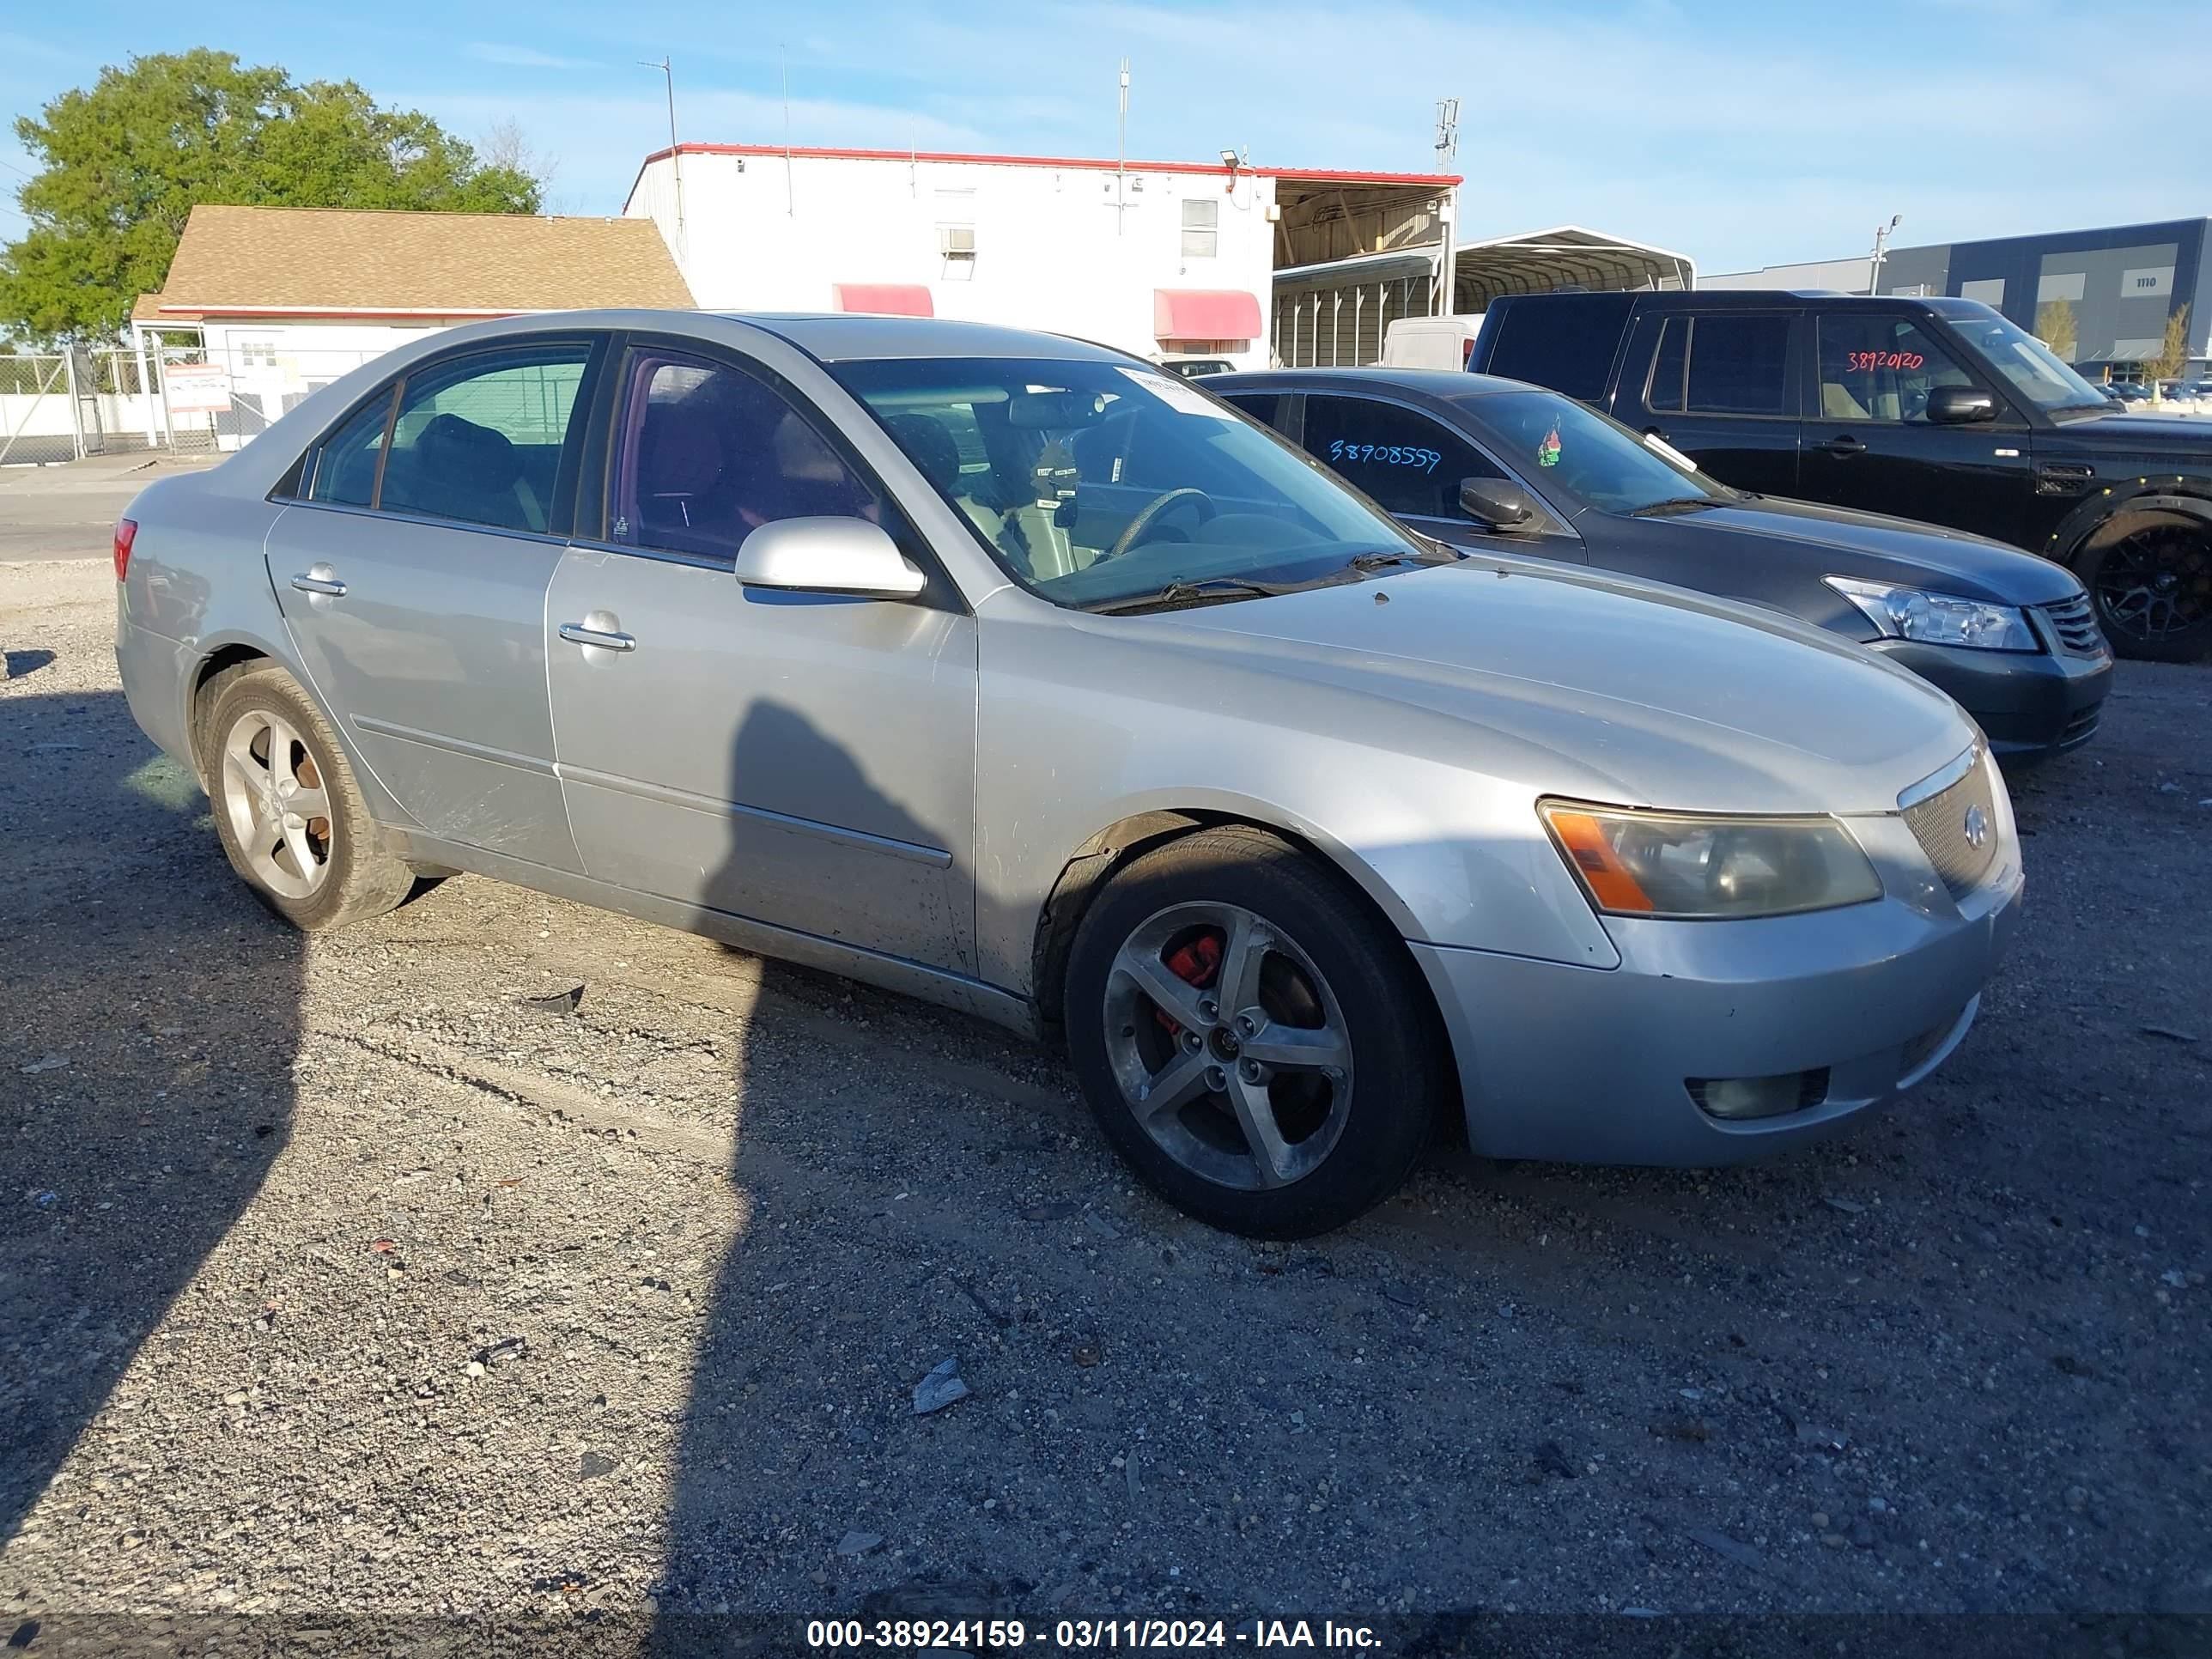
(2157, 583)
(1229, 1046)
(279, 810)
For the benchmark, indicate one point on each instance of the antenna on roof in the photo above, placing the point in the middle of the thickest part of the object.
(783, 60)
(675, 155)
(1122, 154)
(1446, 133)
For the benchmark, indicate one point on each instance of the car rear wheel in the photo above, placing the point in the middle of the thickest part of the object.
(287, 809)
(1253, 1039)
(2154, 592)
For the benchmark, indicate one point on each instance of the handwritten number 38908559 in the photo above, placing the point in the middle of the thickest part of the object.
(1385, 454)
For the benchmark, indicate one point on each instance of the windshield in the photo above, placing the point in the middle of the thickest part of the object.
(1564, 445)
(2031, 368)
(1094, 482)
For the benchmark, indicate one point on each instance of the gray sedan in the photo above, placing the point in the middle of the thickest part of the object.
(1025, 678)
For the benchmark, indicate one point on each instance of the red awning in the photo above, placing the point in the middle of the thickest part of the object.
(1205, 313)
(885, 299)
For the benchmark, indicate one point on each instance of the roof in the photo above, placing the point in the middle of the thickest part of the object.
(847, 336)
(1098, 164)
(350, 262)
(1433, 385)
(1726, 299)
(1538, 261)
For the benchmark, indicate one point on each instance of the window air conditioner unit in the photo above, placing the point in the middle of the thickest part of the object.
(957, 241)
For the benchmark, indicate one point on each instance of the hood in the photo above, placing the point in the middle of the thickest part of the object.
(2179, 439)
(1584, 683)
(1878, 547)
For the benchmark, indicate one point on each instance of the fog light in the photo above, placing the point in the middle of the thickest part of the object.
(1758, 1096)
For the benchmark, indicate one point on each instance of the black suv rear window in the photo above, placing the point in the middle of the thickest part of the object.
(1564, 343)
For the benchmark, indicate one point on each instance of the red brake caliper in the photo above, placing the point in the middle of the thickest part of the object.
(1196, 963)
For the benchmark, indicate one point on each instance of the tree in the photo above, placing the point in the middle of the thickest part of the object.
(125, 163)
(2054, 326)
(2172, 351)
(507, 145)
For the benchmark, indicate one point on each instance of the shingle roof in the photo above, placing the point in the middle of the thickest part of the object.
(341, 260)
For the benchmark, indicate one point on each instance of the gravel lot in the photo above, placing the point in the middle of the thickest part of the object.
(379, 1275)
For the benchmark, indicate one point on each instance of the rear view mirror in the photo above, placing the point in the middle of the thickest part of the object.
(826, 555)
(1497, 503)
(1960, 405)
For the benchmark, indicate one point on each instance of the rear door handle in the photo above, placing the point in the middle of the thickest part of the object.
(322, 580)
(1846, 445)
(606, 639)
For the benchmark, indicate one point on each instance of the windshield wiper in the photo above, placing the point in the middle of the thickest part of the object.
(1675, 504)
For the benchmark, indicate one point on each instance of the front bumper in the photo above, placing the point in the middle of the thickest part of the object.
(1591, 1065)
(2030, 705)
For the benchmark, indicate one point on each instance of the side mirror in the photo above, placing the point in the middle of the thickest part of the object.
(826, 555)
(1496, 503)
(1959, 405)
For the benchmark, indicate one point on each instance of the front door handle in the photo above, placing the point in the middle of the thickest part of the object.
(320, 579)
(607, 639)
(1844, 444)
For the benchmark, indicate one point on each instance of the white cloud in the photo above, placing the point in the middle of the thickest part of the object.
(488, 52)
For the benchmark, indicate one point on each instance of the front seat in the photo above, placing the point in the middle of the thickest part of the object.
(936, 456)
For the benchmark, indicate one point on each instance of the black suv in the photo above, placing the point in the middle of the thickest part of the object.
(1932, 409)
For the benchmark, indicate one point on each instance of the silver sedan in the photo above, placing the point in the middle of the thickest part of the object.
(1021, 676)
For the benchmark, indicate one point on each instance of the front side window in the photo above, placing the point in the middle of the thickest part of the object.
(705, 453)
(1104, 482)
(478, 439)
(2030, 367)
(1586, 457)
(1722, 363)
(1882, 369)
(1406, 461)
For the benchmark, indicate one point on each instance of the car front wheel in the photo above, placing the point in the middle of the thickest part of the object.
(1253, 1039)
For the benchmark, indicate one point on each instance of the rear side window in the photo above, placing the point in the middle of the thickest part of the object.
(1722, 364)
(1406, 461)
(1265, 407)
(1565, 344)
(478, 439)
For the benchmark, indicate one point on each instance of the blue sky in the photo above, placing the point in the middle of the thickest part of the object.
(1738, 132)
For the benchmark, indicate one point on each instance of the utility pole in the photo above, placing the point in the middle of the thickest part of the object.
(1447, 208)
(1880, 240)
(1122, 156)
(675, 157)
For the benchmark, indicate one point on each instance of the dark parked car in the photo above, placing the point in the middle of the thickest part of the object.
(2127, 391)
(1932, 409)
(1494, 465)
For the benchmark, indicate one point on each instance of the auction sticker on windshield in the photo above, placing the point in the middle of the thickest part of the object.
(1178, 394)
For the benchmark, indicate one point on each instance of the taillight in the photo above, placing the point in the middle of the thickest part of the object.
(126, 532)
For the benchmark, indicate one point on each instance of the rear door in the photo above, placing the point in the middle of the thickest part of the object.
(412, 574)
(1869, 442)
(1721, 386)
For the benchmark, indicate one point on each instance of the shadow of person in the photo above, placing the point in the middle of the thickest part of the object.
(783, 1430)
(153, 1021)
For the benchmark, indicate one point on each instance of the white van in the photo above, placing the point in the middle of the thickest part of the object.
(1429, 342)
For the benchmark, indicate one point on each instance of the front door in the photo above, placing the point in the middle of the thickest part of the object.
(1869, 443)
(803, 760)
(1717, 386)
(412, 574)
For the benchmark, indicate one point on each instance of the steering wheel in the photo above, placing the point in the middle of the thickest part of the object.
(1152, 511)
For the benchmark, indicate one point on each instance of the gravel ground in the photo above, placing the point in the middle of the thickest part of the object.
(380, 1275)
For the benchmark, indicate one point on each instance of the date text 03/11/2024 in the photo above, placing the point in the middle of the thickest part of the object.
(1002, 1635)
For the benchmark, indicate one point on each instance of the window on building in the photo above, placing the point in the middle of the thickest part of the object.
(1406, 461)
(1202, 223)
(1880, 368)
(478, 439)
(254, 356)
(1722, 363)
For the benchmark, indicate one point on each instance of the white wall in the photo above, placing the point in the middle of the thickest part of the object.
(761, 234)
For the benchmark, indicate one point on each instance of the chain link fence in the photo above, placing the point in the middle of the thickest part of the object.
(189, 399)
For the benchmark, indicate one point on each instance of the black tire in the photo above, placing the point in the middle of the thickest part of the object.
(359, 879)
(2176, 624)
(1391, 1088)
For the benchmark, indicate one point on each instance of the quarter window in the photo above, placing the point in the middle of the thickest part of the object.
(1723, 364)
(478, 440)
(705, 454)
(345, 466)
(1882, 369)
(1406, 462)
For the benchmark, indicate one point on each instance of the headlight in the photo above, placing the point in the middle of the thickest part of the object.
(1913, 613)
(1680, 866)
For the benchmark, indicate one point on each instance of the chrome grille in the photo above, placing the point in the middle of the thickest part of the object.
(2073, 622)
(1939, 822)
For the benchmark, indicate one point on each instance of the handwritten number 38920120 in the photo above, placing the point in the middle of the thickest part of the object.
(1385, 454)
